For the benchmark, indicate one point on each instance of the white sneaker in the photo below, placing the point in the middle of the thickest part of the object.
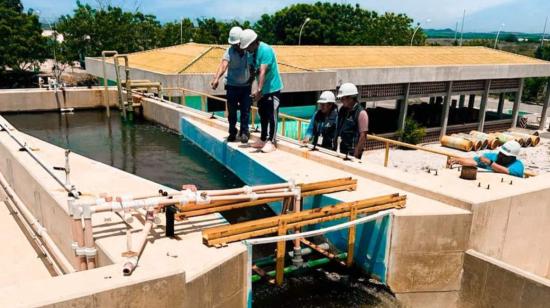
(269, 147)
(258, 144)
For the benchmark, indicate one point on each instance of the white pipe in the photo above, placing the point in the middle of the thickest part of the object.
(58, 256)
(101, 206)
(131, 262)
(345, 225)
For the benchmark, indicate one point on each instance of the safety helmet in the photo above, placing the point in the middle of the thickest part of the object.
(347, 89)
(510, 148)
(235, 35)
(247, 37)
(326, 97)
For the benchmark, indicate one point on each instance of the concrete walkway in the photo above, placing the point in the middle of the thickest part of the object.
(20, 262)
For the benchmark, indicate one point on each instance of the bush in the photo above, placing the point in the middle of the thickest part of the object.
(412, 132)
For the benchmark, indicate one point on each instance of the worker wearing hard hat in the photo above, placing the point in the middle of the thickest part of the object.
(502, 161)
(268, 90)
(238, 85)
(353, 122)
(323, 122)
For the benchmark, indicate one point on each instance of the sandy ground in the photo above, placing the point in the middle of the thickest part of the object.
(536, 158)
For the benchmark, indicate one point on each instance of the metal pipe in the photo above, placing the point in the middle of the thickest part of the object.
(58, 256)
(308, 264)
(38, 160)
(105, 88)
(119, 84)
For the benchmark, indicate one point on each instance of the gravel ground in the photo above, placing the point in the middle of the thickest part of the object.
(534, 158)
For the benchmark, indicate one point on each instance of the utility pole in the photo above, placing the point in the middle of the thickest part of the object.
(456, 30)
(543, 33)
(181, 30)
(462, 27)
(498, 33)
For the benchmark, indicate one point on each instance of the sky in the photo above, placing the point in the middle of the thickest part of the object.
(481, 15)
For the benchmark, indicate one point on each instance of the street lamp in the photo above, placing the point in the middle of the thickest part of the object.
(302, 29)
(498, 33)
(416, 29)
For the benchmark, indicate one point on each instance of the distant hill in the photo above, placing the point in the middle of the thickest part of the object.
(450, 33)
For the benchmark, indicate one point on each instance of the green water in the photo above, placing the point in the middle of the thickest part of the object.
(142, 148)
(155, 153)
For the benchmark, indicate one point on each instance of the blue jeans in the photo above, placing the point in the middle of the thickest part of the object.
(238, 98)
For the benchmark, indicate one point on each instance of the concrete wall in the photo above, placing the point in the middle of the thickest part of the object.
(20, 100)
(426, 256)
(388, 75)
(515, 230)
(34, 186)
(488, 282)
(293, 82)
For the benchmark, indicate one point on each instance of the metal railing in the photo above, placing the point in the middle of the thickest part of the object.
(253, 112)
(299, 121)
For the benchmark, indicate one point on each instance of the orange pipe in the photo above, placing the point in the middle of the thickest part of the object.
(89, 241)
(78, 237)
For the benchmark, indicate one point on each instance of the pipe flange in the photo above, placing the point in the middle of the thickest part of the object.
(253, 196)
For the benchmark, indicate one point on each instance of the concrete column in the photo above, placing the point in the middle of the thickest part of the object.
(483, 106)
(471, 101)
(500, 104)
(461, 101)
(403, 108)
(445, 111)
(545, 108)
(517, 101)
(432, 100)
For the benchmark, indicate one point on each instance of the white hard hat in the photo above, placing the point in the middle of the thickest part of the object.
(247, 37)
(510, 148)
(235, 35)
(347, 89)
(326, 97)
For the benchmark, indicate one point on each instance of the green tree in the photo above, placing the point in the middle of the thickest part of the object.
(336, 24)
(170, 33)
(21, 43)
(89, 31)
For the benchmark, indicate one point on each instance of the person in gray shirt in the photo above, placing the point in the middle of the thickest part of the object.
(237, 85)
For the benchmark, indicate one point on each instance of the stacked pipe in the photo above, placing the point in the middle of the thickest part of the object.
(476, 140)
(492, 141)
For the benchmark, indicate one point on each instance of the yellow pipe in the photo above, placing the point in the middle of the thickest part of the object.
(457, 143)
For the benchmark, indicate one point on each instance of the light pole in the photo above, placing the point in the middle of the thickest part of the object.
(498, 33)
(462, 27)
(302, 29)
(416, 30)
(543, 33)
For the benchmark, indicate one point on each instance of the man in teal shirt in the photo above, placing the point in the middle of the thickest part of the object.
(504, 161)
(268, 90)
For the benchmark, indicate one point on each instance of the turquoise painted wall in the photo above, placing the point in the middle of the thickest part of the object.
(371, 238)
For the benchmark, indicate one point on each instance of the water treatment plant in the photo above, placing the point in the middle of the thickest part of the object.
(129, 194)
